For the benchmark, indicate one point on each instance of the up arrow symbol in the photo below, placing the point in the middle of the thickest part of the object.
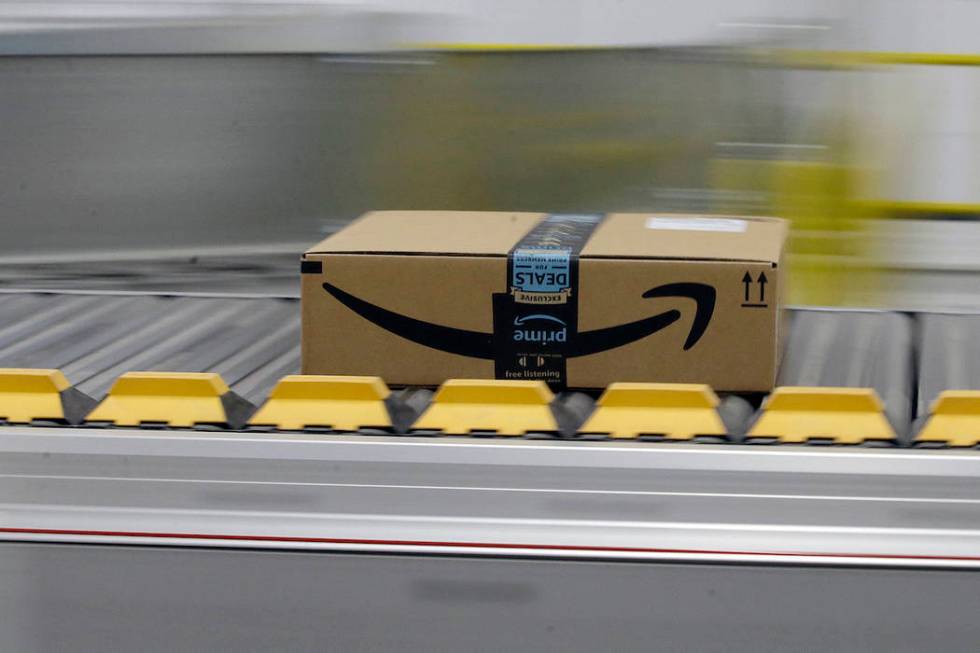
(747, 280)
(762, 286)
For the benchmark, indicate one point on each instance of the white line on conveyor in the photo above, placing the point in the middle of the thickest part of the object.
(387, 486)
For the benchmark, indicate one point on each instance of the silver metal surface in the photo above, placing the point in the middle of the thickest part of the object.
(464, 497)
(95, 598)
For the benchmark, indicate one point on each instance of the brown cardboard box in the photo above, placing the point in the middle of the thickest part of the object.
(418, 297)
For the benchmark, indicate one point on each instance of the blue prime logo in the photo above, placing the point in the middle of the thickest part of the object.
(541, 270)
(539, 328)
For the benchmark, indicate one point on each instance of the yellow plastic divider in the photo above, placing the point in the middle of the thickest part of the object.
(507, 407)
(844, 415)
(343, 403)
(29, 394)
(172, 398)
(678, 411)
(954, 418)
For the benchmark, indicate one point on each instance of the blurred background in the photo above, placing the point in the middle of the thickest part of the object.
(201, 146)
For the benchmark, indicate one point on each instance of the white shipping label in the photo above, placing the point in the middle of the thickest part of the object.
(732, 225)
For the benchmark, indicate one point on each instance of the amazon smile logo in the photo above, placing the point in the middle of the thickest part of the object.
(477, 344)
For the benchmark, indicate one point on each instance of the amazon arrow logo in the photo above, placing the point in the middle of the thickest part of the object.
(480, 345)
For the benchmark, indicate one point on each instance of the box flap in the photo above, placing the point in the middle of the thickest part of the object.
(620, 235)
(430, 232)
(695, 237)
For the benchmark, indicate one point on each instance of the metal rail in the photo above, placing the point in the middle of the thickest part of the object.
(464, 497)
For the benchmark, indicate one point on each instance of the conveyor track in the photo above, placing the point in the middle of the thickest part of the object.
(240, 540)
(252, 341)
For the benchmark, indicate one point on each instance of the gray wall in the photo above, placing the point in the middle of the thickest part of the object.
(98, 153)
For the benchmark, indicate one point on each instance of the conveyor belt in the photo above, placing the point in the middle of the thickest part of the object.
(292, 539)
(93, 338)
(854, 349)
(252, 341)
(949, 354)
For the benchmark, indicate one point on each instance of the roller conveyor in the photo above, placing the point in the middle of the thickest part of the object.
(582, 535)
(93, 338)
(856, 349)
(950, 355)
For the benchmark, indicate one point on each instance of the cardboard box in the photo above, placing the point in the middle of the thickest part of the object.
(580, 301)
